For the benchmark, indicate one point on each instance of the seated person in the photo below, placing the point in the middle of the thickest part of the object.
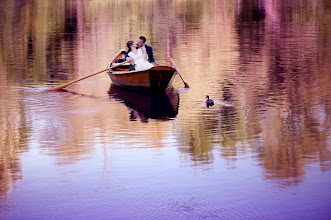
(138, 57)
(131, 67)
(141, 43)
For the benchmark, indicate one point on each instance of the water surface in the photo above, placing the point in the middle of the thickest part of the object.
(96, 151)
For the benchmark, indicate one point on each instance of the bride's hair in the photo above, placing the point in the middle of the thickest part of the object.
(129, 44)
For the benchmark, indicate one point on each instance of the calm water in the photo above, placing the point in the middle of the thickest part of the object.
(96, 151)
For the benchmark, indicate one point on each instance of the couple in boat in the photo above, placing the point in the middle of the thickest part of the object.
(139, 55)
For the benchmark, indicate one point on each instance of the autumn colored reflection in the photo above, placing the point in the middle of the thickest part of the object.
(264, 63)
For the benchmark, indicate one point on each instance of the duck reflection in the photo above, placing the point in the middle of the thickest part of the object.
(147, 106)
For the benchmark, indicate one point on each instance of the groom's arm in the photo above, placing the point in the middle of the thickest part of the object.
(150, 55)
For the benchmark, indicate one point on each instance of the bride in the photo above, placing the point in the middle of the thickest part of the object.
(138, 56)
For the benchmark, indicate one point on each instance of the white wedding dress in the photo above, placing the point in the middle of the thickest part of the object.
(139, 62)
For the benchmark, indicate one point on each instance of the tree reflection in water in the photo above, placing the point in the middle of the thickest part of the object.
(269, 60)
(144, 105)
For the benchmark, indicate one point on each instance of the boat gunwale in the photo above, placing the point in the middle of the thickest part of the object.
(169, 69)
(111, 61)
(154, 71)
(134, 71)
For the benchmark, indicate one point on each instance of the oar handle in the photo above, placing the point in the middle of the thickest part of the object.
(77, 80)
(86, 77)
(97, 73)
(112, 67)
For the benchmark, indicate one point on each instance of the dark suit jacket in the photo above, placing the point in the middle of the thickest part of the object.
(149, 51)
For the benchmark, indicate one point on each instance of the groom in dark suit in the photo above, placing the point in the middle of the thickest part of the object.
(141, 43)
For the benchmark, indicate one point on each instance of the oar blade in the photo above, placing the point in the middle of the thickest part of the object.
(62, 86)
(186, 85)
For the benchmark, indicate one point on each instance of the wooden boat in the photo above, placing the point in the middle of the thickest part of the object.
(147, 105)
(157, 78)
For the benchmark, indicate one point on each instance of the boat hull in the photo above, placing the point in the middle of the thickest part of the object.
(158, 78)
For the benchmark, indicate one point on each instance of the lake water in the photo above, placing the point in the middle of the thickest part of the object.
(96, 151)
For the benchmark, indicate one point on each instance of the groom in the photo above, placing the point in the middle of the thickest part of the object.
(141, 43)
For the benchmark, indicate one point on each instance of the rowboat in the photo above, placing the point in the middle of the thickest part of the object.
(157, 78)
(147, 105)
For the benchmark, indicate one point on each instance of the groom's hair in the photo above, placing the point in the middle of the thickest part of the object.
(142, 38)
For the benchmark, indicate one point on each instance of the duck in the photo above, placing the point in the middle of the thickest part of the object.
(209, 102)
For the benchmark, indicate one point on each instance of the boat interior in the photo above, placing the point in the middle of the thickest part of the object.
(119, 58)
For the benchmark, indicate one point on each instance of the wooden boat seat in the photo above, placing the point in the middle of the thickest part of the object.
(124, 67)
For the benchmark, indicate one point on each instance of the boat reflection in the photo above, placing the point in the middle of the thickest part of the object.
(145, 105)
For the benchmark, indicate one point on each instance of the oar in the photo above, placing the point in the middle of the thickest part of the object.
(186, 85)
(77, 80)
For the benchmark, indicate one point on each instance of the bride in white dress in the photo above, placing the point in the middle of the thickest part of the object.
(139, 57)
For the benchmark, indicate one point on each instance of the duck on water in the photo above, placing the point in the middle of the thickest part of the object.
(209, 102)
